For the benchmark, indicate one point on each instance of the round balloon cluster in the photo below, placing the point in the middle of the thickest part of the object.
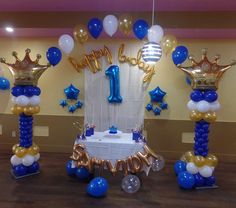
(203, 105)
(25, 160)
(26, 100)
(195, 171)
(97, 187)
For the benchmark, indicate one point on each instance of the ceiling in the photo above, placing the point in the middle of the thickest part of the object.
(184, 18)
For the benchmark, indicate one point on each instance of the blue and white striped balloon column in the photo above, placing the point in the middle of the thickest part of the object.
(151, 52)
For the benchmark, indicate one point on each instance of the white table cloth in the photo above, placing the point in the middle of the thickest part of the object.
(111, 146)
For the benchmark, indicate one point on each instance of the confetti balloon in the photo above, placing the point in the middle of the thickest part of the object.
(130, 184)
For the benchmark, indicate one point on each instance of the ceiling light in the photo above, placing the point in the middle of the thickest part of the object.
(9, 29)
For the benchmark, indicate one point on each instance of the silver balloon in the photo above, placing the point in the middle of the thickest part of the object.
(158, 163)
(130, 184)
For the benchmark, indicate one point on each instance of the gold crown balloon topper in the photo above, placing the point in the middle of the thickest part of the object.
(26, 71)
(205, 74)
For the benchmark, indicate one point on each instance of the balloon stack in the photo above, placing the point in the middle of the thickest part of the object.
(195, 169)
(26, 100)
(156, 96)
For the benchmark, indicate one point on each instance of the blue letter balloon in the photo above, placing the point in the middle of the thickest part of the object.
(4, 83)
(113, 73)
(97, 187)
(54, 55)
(179, 55)
(140, 28)
(95, 27)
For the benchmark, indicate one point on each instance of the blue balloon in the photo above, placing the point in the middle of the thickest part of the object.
(163, 106)
(82, 173)
(95, 27)
(210, 181)
(157, 111)
(69, 169)
(186, 180)
(97, 187)
(210, 96)
(28, 91)
(140, 28)
(37, 91)
(149, 107)
(33, 168)
(180, 166)
(71, 92)
(17, 91)
(196, 95)
(199, 180)
(4, 83)
(20, 170)
(78, 104)
(113, 73)
(54, 55)
(63, 103)
(157, 94)
(179, 55)
(72, 108)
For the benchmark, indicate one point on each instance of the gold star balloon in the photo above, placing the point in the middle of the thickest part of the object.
(205, 74)
(26, 71)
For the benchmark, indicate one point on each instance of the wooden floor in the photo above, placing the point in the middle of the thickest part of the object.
(54, 189)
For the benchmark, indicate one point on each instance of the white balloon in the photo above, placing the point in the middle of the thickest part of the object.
(15, 160)
(192, 105)
(36, 157)
(110, 24)
(155, 33)
(215, 106)
(34, 100)
(22, 100)
(13, 100)
(205, 171)
(28, 160)
(66, 43)
(203, 106)
(191, 168)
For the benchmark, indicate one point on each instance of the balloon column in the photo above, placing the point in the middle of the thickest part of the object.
(195, 169)
(26, 103)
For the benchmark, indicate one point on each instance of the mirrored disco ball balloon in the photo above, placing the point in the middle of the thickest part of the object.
(151, 52)
(130, 184)
(158, 164)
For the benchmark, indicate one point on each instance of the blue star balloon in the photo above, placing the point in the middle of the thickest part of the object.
(157, 94)
(149, 107)
(72, 108)
(71, 92)
(157, 111)
(163, 106)
(63, 103)
(78, 104)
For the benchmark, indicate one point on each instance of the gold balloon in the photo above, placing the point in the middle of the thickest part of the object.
(199, 161)
(20, 151)
(137, 164)
(125, 23)
(188, 156)
(33, 150)
(195, 115)
(80, 34)
(36, 109)
(211, 160)
(17, 110)
(14, 148)
(168, 44)
(210, 117)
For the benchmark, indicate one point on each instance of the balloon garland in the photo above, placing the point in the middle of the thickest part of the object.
(26, 100)
(195, 169)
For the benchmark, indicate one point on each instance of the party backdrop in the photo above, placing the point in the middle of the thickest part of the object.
(98, 110)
